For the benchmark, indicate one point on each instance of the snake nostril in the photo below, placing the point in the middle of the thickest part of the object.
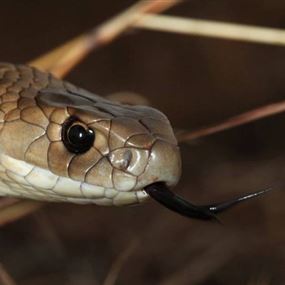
(127, 158)
(121, 158)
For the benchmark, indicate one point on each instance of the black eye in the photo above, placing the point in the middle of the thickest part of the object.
(77, 138)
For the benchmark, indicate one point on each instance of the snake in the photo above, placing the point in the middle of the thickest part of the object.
(61, 143)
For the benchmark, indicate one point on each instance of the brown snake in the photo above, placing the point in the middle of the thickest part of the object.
(62, 143)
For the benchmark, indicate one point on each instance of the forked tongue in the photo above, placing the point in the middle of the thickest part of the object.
(160, 192)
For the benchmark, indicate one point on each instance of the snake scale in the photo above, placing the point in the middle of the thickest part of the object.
(61, 143)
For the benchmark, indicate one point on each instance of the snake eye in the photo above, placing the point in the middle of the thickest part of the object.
(77, 138)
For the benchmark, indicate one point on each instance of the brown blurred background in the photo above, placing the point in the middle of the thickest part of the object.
(195, 81)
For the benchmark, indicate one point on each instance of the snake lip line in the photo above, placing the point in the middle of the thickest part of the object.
(161, 193)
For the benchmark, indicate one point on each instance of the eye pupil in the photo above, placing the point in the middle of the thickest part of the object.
(77, 138)
(77, 134)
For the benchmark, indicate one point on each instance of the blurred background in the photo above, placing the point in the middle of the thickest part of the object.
(196, 82)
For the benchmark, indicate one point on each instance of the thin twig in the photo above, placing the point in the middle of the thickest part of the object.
(18, 210)
(6, 202)
(215, 29)
(247, 117)
(61, 60)
(113, 28)
(12, 209)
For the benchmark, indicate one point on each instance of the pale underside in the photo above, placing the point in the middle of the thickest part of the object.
(23, 180)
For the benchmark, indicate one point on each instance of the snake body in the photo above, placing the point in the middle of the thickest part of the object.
(134, 146)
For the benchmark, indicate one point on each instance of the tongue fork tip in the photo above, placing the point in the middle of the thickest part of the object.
(160, 192)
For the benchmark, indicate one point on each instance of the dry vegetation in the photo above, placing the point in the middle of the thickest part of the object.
(196, 82)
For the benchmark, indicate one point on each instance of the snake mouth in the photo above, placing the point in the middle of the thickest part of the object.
(161, 193)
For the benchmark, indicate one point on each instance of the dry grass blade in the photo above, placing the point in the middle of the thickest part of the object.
(5, 278)
(61, 60)
(17, 210)
(213, 29)
(5, 202)
(247, 117)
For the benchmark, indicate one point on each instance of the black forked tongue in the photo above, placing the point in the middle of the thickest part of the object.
(160, 192)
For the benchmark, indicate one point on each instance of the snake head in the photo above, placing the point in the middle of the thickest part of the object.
(129, 147)
(72, 145)
(62, 143)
